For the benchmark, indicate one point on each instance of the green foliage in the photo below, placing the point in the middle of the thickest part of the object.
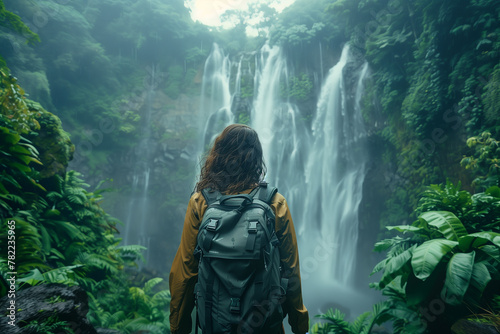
(62, 234)
(51, 326)
(37, 84)
(302, 24)
(13, 108)
(195, 55)
(101, 53)
(175, 78)
(423, 81)
(300, 34)
(478, 212)
(138, 309)
(247, 87)
(441, 261)
(470, 106)
(485, 162)
(14, 22)
(423, 104)
(491, 99)
(299, 88)
(337, 325)
(28, 253)
(243, 118)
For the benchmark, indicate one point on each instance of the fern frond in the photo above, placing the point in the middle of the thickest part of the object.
(97, 261)
(18, 200)
(162, 296)
(360, 323)
(149, 285)
(336, 323)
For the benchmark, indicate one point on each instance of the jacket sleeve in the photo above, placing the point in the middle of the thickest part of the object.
(298, 317)
(184, 271)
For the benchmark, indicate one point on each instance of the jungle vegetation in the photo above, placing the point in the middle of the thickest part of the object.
(432, 105)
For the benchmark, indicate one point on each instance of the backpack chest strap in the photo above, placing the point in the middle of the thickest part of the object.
(211, 229)
(252, 235)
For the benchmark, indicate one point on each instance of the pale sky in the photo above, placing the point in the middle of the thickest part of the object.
(208, 11)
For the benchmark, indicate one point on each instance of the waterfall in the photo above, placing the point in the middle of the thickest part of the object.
(215, 104)
(334, 176)
(335, 172)
(319, 168)
(270, 68)
(138, 215)
(321, 61)
(283, 138)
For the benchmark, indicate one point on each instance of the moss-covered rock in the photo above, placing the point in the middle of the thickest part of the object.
(53, 143)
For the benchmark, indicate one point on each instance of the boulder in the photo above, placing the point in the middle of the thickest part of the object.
(39, 307)
(464, 326)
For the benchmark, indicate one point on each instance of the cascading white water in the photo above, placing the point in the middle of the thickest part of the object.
(136, 224)
(321, 61)
(334, 175)
(275, 118)
(215, 104)
(326, 201)
(270, 68)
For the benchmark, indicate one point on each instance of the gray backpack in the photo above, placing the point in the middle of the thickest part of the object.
(239, 289)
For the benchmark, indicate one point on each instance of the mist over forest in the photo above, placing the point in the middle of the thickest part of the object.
(379, 121)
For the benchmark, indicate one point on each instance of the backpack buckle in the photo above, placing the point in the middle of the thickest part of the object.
(252, 227)
(212, 224)
(235, 305)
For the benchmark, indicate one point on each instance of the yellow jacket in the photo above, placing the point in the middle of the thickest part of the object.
(184, 272)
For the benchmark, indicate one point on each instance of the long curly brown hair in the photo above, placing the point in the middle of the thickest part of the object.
(235, 161)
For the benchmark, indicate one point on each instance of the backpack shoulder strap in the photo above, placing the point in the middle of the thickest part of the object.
(266, 193)
(211, 196)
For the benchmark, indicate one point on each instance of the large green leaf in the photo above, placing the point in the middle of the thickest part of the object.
(480, 278)
(458, 275)
(476, 240)
(446, 222)
(490, 256)
(395, 266)
(427, 256)
(379, 266)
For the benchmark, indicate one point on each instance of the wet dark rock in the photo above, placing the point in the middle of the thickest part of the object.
(47, 304)
(464, 326)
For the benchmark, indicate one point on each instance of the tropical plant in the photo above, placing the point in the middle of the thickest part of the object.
(478, 212)
(138, 309)
(335, 323)
(441, 272)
